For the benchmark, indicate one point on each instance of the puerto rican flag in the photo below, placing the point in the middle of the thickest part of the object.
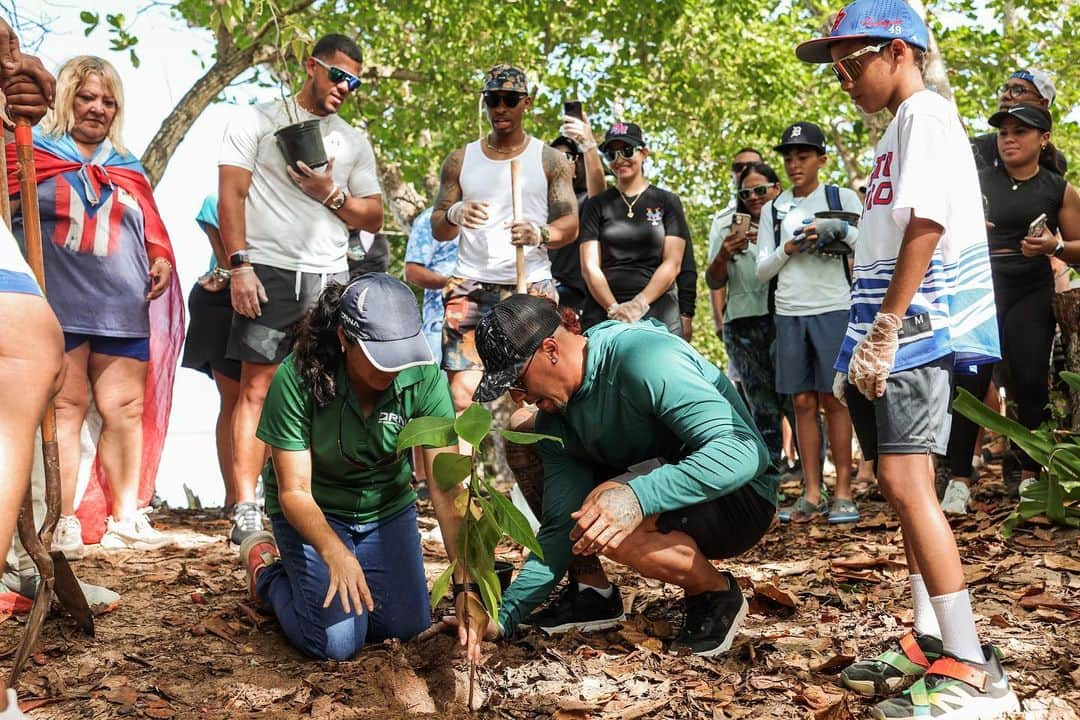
(84, 226)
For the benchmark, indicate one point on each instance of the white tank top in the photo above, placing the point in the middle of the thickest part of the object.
(485, 253)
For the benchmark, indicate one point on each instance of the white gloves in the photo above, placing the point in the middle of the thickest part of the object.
(873, 358)
(578, 131)
(838, 384)
(630, 311)
(453, 213)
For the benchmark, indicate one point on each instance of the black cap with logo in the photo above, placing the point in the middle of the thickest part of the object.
(628, 133)
(802, 134)
(1030, 115)
(507, 337)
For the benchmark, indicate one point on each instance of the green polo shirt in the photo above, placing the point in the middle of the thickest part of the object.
(291, 420)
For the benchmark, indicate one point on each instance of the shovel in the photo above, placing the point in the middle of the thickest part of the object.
(53, 569)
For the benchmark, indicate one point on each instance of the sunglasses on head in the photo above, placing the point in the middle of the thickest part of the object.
(337, 75)
(509, 99)
(738, 167)
(850, 67)
(1015, 90)
(613, 154)
(759, 190)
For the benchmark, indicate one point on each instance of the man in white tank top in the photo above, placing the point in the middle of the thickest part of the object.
(475, 206)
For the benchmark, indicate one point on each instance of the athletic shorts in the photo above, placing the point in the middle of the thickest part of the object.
(135, 348)
(268, 338)
(806, 349)
(724, 527)
(913, 417)
(466, 302)
(210, 320)
(13, 281)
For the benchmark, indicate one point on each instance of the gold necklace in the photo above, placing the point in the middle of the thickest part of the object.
(630, 205)
(511, 151)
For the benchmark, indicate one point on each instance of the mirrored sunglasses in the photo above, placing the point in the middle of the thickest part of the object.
(613, 154)
(338, 76)
(850, 67)
(759, 190)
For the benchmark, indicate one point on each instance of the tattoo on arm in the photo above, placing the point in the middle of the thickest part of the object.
(561, 198)
(623, 506)
(450, 181)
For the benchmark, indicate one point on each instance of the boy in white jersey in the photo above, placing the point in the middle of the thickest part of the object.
(922, 304)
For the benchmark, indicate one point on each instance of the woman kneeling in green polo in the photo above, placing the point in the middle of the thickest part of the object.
(337, 491)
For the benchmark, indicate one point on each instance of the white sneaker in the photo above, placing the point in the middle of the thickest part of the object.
(68, 538)
(133, 533)
(955, 501)
(1025, 484)
(12, 711)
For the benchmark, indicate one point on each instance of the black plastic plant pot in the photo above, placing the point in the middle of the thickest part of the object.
(505, 572)
(302, 142)
(838, 247)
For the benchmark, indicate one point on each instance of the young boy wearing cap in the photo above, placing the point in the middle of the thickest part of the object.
(922, 304)
(812, 297)
(474, 204)
(344, 563)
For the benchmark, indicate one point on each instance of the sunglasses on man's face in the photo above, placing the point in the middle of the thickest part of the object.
(510, 100)
(759, 190)
(338, 76)
(738, 167)
(518, 386)
(1015, 90)
(850, 67)
(613, 154)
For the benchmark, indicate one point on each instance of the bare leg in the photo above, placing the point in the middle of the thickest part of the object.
(249, 452)
(229, 392)
(673, 557)
(839, 428)
(809, 439)
(72, 403)
(119, 385)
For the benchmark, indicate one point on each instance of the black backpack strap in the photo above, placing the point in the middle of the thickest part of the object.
(832, 197)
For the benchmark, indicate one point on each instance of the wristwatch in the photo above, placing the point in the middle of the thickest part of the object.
(338, 201)
(1060, 247)
(238, 258)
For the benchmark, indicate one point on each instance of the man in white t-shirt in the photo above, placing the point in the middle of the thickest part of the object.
(812, 299)
(922, 305)
(286, 230)
(474, 205)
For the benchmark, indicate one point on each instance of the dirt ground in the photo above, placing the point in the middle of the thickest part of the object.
(186, 642)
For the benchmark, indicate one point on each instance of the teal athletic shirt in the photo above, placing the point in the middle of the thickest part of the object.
(646, 394)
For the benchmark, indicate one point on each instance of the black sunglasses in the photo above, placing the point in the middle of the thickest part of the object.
(571, 156)
(759, 190)
(337, 75)
(613, 154)
(518, 386)
(738, 167)
(385, 461)
(510, 100)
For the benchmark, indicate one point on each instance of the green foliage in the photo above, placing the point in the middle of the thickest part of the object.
(486, 514)
(1056, 493)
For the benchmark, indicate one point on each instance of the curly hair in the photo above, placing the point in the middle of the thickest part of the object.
(317, 349)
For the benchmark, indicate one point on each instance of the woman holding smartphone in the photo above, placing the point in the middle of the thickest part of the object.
(749, 330)
(632, 240)
(1033, 214)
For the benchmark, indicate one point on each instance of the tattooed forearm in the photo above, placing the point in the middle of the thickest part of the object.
(622, 506)
(449, 193)
(561, 198)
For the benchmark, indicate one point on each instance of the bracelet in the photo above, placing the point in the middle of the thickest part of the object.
(586, 148)
(333, 192)
(465, 587)
(161, 259)
(241, 269)
(221, 273)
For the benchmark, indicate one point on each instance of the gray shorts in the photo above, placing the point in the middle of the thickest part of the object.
(268, 338)
(913, 417)
(806, 349)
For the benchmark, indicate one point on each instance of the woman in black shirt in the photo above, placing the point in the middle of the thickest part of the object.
(1016, 193)
(632, 240)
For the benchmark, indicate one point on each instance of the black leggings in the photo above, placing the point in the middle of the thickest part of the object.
(1024, 292)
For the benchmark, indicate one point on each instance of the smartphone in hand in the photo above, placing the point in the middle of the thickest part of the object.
(1035, 229)
(573, 109)
(740, 224)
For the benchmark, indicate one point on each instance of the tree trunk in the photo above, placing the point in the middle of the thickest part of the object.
(1067, 310)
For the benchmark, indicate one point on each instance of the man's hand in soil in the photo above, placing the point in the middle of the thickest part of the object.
(319, 186)
(609, 514)
(247, 292)
(347, 581)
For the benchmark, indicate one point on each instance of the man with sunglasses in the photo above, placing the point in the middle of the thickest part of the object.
(1029, 86)
(660, 466)
(922, 305)
(474, 204)
(286, 233)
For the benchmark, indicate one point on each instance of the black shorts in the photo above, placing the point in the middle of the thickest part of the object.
(724, 527)
(210, 317)
(268, 338)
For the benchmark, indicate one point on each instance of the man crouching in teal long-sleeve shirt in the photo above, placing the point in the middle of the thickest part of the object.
(661, 466)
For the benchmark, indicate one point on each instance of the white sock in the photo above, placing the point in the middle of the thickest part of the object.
(604, 592)
(926, 622)
(958, 635)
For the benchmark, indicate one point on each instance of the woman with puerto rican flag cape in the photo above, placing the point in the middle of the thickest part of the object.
(109, 278)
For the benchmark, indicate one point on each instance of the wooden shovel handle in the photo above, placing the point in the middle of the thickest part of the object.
(515, 191)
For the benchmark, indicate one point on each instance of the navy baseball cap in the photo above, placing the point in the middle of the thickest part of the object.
(870, 19)
(379, 313)
(507, 337)
(802, 134)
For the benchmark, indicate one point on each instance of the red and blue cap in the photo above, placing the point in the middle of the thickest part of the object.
(872, 20)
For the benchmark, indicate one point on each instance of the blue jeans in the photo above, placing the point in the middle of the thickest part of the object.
(389, 554)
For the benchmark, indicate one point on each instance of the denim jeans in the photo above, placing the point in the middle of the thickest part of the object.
(389, 554)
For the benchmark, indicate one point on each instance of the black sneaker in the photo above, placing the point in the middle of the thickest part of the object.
(246, 521)
(573, 609)
(712, 620)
